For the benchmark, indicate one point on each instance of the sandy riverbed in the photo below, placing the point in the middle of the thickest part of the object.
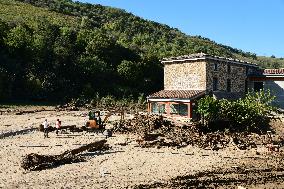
(119, 167)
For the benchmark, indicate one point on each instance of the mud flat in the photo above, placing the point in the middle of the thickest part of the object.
(127, 163)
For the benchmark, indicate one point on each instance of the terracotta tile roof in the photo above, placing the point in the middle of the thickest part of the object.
(204, 56)
(183, 94)
(273, 71)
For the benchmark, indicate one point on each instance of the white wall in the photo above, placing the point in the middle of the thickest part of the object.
(277, 89)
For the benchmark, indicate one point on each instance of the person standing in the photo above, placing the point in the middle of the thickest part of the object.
(45, 127)
(57, 125)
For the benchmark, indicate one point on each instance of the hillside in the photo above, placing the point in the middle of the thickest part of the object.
(15, 12)
(59, 49)
(135, 32)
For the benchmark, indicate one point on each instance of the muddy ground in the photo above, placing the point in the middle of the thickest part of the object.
(134, 161)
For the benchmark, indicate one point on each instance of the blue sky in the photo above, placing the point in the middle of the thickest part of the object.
(251, 25)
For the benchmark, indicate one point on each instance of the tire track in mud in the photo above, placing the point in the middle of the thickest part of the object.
(222, 179)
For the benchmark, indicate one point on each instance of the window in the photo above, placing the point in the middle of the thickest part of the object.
(215, 66)
(228, 85)
(157, 108)
(247, 70)
(257, 86)
(162, 108)
(215, 84)
(229, 68)
(179, 109)
(246, 86)
(154, 108)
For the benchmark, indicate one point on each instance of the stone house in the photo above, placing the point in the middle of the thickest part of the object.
(188, 78)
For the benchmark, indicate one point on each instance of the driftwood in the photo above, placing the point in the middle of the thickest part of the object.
(35, 162)
(19, 132)
(72, 128)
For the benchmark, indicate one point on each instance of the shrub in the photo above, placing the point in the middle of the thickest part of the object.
(208, 108)
(249, 113)
(141, 99)
(108, 101)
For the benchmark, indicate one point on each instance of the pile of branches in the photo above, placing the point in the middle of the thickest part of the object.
(141, 124)
(35, 162)
(154, 131)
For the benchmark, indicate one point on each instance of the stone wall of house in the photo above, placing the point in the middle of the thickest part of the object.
(189, 75)
(199, 74)
(237, 75)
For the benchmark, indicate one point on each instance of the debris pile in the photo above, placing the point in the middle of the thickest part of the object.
(154, 131)
(35, 162)
(243, 141)
(141, 124)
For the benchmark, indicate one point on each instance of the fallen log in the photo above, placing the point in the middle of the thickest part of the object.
(92, 146)
(72, 128)
(18, 132)
(35, 162)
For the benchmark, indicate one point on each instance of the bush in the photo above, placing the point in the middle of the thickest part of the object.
(108, 101)
(208, 108)
(248, 114)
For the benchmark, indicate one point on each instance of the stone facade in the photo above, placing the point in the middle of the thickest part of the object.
(189, 75)
(236, 75)
(199, 74)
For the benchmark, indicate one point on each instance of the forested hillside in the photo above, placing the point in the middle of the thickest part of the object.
(58, 49)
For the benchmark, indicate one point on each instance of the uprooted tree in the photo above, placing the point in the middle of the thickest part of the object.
(35, 162)
(245, 114)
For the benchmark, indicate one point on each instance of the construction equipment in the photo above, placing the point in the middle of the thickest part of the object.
(95, 121)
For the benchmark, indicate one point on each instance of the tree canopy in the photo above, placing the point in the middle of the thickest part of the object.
(60, 49)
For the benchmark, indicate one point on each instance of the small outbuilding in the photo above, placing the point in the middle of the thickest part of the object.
(175, 103)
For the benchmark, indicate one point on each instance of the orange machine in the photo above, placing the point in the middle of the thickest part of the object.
(95, 121)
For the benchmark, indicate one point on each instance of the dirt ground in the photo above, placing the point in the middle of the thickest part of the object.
(126, 164)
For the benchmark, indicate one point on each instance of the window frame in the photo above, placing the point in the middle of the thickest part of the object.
(229, 68)
(215, 84)
(247, 70)
(178, 109)
(158, 108)
(257, 88)
(229, 85)
(215, 67)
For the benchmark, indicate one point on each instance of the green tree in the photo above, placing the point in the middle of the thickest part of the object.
(209, 109)
(129, 71)
(247, 114)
